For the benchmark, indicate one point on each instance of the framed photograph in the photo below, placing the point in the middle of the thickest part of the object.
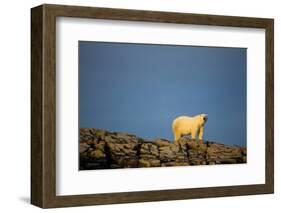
(137, 106)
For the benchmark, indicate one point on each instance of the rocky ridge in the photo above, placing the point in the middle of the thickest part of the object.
(100, 149)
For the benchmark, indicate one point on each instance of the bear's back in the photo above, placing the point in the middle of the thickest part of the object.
(180, 118)
(183, 117)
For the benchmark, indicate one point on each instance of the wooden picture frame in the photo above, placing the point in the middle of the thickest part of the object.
(43, 105)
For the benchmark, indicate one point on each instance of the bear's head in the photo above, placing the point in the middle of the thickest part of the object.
(204, 117)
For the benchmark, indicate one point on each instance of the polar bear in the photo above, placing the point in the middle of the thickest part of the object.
(185, 125)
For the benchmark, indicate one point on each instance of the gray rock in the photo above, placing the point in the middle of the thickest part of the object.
(100, 149)
(83, 147)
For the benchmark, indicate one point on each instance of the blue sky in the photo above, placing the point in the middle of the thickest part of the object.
(141, 88)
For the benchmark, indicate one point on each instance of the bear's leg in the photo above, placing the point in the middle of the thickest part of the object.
(177, 136)
(201, 132)
(193, 134)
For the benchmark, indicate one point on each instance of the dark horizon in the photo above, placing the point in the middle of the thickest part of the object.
(141, 88)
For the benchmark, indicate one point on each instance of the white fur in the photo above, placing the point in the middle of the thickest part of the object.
(185, 125)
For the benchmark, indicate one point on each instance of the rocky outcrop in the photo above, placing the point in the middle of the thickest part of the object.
(100, 149)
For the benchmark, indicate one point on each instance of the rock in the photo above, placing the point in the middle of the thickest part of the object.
(144, 163)
(197, 157)
(126, 137)
(100, 149)
(99, 133)
(162, 142)
(149, 148)
(96, 154)
(149, 155)
(120, 153)
(100, 145)
(193, 144)
(83, 147)
(155, 163)
(211, 163)
(175, 154)
(93, 159)
(244, 151)
(174, 163)
(109, 139)
(224, 154)
(149, 163)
